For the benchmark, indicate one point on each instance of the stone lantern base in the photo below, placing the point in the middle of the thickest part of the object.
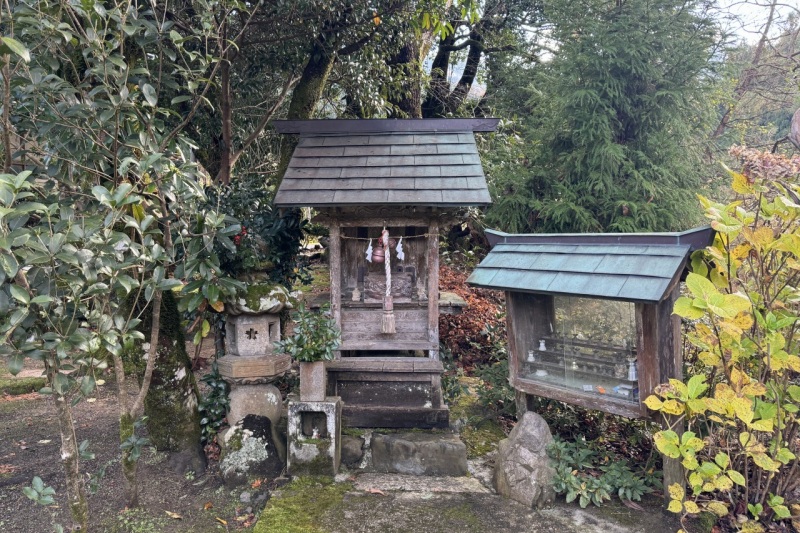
(252, 370)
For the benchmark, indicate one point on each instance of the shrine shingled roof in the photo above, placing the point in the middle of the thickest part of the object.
(640, 267)
(421, 162)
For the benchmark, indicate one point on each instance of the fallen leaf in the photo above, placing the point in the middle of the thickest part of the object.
(376, 491)
(44, 441)
(221, 521)
(91, 400)
(207, 506)
(176, 516)
(242, 518)
(257, 483)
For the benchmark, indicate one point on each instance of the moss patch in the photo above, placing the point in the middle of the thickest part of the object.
(481, 439)
(256, 291)
(14, 386)
(299, 505)
(320, 280)
(481, 432)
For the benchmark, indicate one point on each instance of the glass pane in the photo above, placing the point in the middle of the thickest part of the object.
(590, 348)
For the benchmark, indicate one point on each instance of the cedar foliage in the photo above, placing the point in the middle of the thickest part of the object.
(609, 121)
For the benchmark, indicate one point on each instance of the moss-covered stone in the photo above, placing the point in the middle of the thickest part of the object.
(298, 506)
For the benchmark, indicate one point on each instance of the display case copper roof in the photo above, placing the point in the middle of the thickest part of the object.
(639, 267)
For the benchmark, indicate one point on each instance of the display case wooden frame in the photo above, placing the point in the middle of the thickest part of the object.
(658, 354)
(643, 269)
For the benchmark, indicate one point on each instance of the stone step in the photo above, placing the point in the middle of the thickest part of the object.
(408, 483)
(419, 454)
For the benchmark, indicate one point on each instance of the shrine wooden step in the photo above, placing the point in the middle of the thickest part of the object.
(367, 416)
(385, 364)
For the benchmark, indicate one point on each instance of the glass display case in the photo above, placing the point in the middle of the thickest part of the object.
(589, 346)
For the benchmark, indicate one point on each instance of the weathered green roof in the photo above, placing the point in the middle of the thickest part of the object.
(633, 272)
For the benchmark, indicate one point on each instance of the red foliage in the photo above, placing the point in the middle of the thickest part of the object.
(465, 334)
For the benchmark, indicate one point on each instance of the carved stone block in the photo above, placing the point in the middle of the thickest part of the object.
(252, 335)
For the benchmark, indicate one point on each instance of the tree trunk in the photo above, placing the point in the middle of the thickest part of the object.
(225, 107)
(173, 421)
(126, 431)
(408, 102)
(305, 97)
(70, 456)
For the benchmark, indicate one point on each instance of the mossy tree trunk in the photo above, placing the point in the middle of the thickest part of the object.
(173, 420)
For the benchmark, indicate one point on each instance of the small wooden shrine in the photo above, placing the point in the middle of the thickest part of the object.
(589, 316)
(384, 188)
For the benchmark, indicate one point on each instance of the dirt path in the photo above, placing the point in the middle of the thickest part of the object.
(30, 446)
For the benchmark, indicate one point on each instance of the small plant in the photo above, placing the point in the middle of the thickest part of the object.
(494, 391)
(452, 388)
(214, 406)
(38, 492)
(586, 475)
(133, 444)
(315, 337)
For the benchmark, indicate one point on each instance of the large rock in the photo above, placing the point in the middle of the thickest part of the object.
(250, 451)
(522, 468)
(419, 454)
(261, 400)
(352, 450)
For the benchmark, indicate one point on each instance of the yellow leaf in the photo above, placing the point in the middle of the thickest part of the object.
(723, 482)
(672, 407)
(653, 403)
(676, 492)
(718, 508)
(691, 507)
(762, 425)
(709, 358)
(739, 183)
(221, 521)
(751, 526)
(176, 516)
(675, 506)
(218, 306)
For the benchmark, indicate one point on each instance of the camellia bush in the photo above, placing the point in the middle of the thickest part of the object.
(740, 404)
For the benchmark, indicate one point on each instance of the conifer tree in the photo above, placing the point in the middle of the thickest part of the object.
(611, 121)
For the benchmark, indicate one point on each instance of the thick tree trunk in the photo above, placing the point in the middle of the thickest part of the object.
(439, 88)
(408, 101)
(173, 421)
(305, 97)
(70, 456)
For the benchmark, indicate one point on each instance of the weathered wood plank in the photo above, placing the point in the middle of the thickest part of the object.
(335, 266)
(415, 197)
(413, 149)
(609, 405)
(388, 344)
(416, 172)
(400, 417)
(432, 256)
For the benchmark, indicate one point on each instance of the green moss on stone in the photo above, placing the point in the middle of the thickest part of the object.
(256, 291)
(298, 506)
